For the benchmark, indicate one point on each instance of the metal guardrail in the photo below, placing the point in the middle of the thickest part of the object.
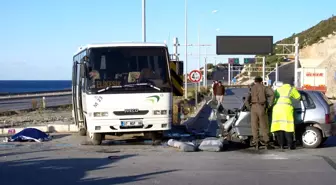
(18, 96)
(68, 92)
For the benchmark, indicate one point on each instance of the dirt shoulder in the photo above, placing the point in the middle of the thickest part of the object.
(34, 118)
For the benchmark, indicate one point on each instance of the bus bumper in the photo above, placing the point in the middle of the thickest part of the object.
(116, 125)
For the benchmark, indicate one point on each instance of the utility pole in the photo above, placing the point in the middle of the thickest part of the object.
(176, 45)
(143, 20)
(199, 55)
(229, 74)
(263, 68)
(276, 72)
(296, 62)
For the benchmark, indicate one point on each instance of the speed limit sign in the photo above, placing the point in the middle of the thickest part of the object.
(195, 76)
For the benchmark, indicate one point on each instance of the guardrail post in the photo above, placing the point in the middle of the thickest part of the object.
(43, 102)
(34, 104)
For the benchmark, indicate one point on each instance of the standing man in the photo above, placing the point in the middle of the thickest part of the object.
(213, 86)
(283, 114)
(220, 92)
(260, 99)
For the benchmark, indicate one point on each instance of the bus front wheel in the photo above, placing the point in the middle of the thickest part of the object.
(96, 138)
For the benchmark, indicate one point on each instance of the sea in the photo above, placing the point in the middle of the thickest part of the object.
(29, 86)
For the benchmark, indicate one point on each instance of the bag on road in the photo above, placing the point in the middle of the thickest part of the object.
(211, 144)
(182, 146)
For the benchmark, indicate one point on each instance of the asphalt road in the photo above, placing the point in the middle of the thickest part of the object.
(232, 99)
(64, 161)
(26, 103)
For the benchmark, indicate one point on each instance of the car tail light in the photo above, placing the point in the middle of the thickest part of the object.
(327, 119)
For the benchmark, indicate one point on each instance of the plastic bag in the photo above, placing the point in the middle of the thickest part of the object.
(211, 144)
(182, 146)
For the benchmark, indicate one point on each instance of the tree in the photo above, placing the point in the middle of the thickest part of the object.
(210, 66)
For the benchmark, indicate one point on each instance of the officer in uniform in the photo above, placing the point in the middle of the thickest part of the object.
(260, 99)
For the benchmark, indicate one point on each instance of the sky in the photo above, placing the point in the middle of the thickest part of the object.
(39, 38)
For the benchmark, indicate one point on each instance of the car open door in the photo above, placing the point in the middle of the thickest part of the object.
(299, 110)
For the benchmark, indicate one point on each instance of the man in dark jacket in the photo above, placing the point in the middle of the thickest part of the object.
(214, 85)
(219, 92)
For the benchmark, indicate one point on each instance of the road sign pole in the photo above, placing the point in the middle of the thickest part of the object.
(196, 93)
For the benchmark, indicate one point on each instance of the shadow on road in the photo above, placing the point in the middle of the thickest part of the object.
(59, 136)
(22, 153)
(68, 171)
(330, 142)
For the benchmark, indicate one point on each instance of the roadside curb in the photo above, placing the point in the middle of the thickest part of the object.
(50, 128)
(191, 121)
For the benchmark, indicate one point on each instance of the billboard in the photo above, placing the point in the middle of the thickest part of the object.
(244, 45)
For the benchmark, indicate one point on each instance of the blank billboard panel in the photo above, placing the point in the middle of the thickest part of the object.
(244, 45)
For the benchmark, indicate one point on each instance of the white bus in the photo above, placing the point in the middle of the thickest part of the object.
(122, 88)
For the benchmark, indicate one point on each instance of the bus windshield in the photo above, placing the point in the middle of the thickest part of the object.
(124, 69)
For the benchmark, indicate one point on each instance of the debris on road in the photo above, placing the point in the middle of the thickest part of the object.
(29, 134)
(212, 144)
(182, 146)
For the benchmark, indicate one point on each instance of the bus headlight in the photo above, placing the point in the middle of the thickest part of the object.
(100, 114)
(160, 112)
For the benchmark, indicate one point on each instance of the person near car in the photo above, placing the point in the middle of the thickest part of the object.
(213, 91)
(283, 114)
(220, 92)
(258, 98)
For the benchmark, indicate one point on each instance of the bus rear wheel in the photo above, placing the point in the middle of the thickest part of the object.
(156, 137)
(82, 132)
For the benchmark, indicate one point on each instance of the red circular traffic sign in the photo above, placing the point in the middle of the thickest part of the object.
(195, 76)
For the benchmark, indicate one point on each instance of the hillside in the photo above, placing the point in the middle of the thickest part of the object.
(307, 37)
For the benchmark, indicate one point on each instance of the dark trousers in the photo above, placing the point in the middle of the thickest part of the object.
(283, 136)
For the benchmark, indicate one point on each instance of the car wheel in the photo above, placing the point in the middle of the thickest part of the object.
(311, 137)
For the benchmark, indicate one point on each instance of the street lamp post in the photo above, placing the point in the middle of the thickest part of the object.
(143, 20)
(186, 51)
(199, 56)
